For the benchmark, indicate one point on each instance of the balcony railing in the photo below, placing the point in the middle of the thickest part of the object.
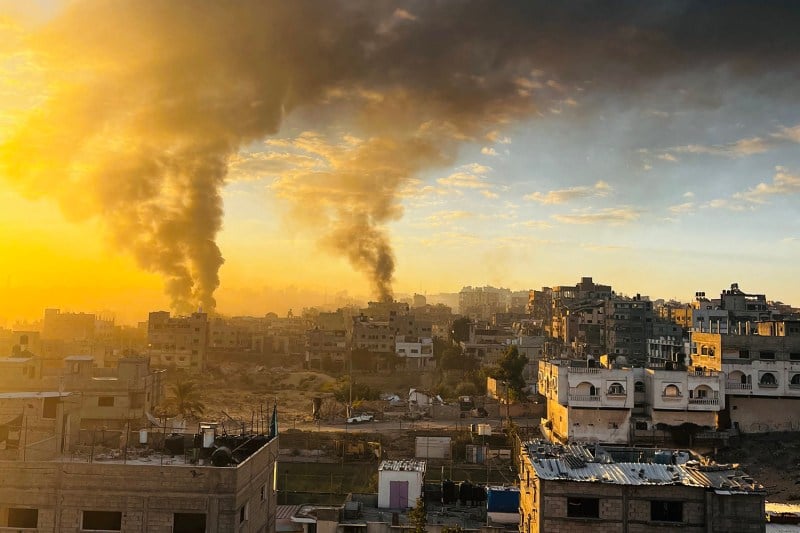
(738, 386)
(794, 385)
(584, 370)
(768, 385)
(584, 398)
(704, 401)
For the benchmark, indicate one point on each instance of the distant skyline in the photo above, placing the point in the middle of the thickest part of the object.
(414, 147)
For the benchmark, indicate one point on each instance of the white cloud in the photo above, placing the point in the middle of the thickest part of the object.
(668, 157)
(489, 194)
(495, 137)
(610, 215)
(782, 183)
(486, 150)
(682, 208)
(601, 188)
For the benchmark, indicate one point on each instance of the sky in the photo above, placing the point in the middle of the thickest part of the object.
(257, 156)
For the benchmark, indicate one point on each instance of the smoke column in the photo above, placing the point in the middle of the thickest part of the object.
(148, 101)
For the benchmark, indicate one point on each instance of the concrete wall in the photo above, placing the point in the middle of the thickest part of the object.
(611, 426)
(762, 415)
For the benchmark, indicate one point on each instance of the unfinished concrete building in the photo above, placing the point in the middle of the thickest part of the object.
(178, 341)
(204, 482)
(580, 488)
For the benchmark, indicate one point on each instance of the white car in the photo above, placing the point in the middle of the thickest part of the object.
(357, 419)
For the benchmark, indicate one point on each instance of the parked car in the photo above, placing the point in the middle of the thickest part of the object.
(357, 419)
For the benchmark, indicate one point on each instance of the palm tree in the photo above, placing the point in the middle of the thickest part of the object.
(184, 399)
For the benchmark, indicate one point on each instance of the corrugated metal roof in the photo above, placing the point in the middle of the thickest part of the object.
(29, 395)
(407, 465)
(575, 462)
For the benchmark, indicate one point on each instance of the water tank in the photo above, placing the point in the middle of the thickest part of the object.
(142, 436)
(221, 456)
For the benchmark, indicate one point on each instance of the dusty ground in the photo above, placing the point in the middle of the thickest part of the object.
(243, 391)
(773, 460)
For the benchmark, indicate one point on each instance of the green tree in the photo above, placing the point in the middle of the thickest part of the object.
(459, 332)
(510, 369)
(184, 399)
(418, 516)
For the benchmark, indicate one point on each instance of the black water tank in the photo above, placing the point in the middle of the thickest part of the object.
(221, 456)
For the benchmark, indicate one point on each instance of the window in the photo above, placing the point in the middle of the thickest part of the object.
(102, 521)
(638, 386)
(49, 407)
(672, 391)
(795, 380)
(616, 389)
(105, 401)
(768, 380)
(243, 513)
(766, 355)
(744, 354)
(666, 511)
(23, 518)
(583, 507)
(189, 523)
(794, 356)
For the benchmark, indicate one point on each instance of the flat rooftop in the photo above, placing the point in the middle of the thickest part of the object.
(633, 466)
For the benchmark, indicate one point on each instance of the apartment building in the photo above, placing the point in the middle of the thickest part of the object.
(762, 372)
(589, 402)
(229, 334)
(180, 341)
(108, 398)
(326, 348)
(579, 488)
(416, 352)
(628, 325)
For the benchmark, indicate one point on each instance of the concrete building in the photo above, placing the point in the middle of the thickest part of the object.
(762, 374)
(595, 403)
(109, 398)
(204, 483)
(586, 404)
(229, 334)
(326, 349)
(417, 353)
(628, 326)
(580, 488)
(400, 483)
(482, 302)
(177, 341)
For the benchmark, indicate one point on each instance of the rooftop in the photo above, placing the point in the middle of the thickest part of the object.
(31, 395)
(406, 465)
(633, 466)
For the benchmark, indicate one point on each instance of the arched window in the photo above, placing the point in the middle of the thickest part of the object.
(672, 391)
(703, 391)
(638, 386)
(795, 379)
(585, 388)
(768, 379)
(616, 389)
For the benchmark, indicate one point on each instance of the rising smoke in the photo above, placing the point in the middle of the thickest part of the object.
(149, 100)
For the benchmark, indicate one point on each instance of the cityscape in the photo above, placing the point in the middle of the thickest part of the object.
(356, 266)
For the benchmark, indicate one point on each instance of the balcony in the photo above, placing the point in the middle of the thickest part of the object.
(738, 386)
(767, 385)
(703, 401)
(584, 398)
(584, 370)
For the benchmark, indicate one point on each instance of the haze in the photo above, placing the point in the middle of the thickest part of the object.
(262, 155)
